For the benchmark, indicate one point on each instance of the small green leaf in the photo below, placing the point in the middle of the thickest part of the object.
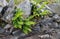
(29, 23)
(20, 27)
(18, 14)
(21, 23)
(15, 26)
(44, 13)
(27, 28)
(25, 31)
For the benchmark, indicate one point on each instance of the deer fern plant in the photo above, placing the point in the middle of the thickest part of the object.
(19, 22)
(26, 24)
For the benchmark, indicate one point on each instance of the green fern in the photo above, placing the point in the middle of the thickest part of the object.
(23, 24)
(26, 24)
(36, 10)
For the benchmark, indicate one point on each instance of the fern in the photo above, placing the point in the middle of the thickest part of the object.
(23, 24)
(41, 7)
(26, 24)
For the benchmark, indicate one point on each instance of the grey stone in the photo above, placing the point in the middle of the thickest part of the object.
(8, 15)
(56, 18)
(22, 34)
(33, 37)
(3, 3)
(26, 7)
(14, 37)
(58, 35)
(55, 8)
(11, 3)
(45, 36)
(16, 33)
(9, 12)
(36, 29)
(2, 31)
(49, 22)
(46, 21)
(7, 26)
(1, 8)
(11, 29)
(53, 25)
(7, 32)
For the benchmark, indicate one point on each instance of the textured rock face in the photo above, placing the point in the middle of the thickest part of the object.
(11, 3)
(55, 8)
(3, 2)
(26, 7)
(8, 11)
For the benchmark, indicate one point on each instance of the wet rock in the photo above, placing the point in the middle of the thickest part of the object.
(26, 7)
